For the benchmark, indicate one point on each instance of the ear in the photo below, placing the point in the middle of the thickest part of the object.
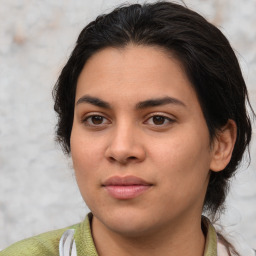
(223, 146)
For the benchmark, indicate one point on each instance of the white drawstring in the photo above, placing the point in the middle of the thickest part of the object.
(67, 245)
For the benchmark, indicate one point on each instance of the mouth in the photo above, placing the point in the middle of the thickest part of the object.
(126, 187)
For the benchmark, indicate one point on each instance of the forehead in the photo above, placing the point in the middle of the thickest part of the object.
(134, 72)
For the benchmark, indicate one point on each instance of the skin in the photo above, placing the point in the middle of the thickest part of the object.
(166, 145)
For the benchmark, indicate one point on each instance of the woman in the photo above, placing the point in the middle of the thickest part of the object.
(151, 108)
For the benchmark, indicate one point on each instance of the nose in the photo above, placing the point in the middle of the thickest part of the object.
(125, 146)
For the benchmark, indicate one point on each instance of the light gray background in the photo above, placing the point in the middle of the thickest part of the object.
(37, 186)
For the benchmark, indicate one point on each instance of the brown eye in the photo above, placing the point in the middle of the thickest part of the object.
(97, 119)
(158, 120)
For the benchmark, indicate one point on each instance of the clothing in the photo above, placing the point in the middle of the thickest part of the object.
(47, 244)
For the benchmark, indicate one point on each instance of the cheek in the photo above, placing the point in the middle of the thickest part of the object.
(85, 165)
(85, 148)
(184, 157)
(183, 170)
(85, 155)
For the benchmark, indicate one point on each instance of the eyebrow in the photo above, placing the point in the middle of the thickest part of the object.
(159, 102)
(94, 101)
(141, 105)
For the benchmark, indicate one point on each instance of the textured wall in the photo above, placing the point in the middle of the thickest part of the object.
(37, 185)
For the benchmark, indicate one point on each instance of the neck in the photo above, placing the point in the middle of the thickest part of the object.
(183, 239)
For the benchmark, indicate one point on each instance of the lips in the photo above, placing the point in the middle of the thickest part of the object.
(127, 187)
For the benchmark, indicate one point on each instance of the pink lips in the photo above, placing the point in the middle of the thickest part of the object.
(127, 187)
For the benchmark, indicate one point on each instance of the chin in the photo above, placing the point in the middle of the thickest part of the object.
(130, 223)
(130, 229)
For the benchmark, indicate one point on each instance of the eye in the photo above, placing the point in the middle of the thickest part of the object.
(159, 120)
(95, 120)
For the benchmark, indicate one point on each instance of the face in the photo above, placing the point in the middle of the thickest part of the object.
(140, 144)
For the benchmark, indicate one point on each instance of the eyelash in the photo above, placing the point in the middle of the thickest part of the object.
(88, 120)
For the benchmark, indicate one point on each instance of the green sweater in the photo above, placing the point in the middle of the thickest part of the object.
(47, 244)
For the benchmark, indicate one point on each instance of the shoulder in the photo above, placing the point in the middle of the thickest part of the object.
(217, 244)
(241, 248)
(233, 246)
(46, 244)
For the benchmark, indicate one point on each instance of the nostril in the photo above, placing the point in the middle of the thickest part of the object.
(132, 157)
(112, 159)
(123, 160)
